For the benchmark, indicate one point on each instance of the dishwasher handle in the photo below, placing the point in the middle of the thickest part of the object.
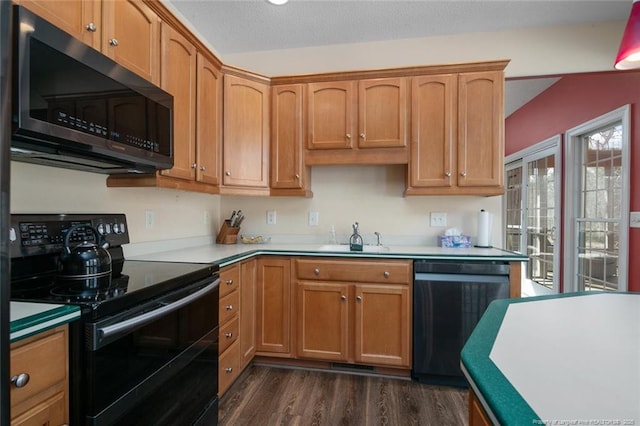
(457, 278)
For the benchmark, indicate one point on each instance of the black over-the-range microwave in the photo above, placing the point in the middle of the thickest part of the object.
(75, 108)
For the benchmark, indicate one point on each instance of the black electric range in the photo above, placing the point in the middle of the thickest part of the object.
(145, 350)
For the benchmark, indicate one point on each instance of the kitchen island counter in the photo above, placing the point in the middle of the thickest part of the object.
(562, 359)
(28, 318)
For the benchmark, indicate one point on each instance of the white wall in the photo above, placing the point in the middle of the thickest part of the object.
(372, 195)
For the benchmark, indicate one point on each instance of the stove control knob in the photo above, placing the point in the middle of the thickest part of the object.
(12, 234)
(102, 230)
(116, 228)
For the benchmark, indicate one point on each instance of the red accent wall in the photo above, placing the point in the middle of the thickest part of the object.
(574, 100)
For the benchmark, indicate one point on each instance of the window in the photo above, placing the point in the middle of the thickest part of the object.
(597, 204)
(531, 216)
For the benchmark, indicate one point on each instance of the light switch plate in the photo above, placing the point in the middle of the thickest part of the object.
(634, 220)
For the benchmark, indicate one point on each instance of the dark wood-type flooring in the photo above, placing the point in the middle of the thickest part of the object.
(265, 395)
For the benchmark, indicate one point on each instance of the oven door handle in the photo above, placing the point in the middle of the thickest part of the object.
(105, 333)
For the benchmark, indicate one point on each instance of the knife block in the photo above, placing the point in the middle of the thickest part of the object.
(227, 233)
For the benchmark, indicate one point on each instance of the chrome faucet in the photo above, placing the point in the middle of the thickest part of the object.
(378, 236)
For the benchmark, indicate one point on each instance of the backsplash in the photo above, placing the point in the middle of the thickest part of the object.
(370, 195)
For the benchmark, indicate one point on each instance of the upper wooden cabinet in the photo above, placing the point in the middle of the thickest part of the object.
(246, 137)
(347, 121)
(127, 31)
(130, 35)
(457, 137)
(289, 175)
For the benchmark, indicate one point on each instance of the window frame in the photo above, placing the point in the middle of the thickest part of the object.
(572, 185)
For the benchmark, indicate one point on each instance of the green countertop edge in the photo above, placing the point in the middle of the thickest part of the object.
(36, 320)
(507, 257)
(503, 399)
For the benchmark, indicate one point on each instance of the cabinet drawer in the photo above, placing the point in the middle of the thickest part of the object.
(229, 279)
(228, 367)
(49, 412)
(44, 360)
(229, 306)
(364, 271)
(228, 334)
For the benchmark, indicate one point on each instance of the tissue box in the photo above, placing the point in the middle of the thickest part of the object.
(457, 241)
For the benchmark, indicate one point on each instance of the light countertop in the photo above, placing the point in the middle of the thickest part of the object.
(570, 357)
(28, 318)
(226, 254)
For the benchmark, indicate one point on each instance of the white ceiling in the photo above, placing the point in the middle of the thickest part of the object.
(238, 26)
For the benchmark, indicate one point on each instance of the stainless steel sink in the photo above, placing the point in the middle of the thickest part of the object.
(344, 248)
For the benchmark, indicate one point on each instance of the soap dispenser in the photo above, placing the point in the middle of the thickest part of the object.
(355, 242)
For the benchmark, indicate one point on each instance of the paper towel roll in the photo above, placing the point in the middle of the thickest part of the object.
(484, 229)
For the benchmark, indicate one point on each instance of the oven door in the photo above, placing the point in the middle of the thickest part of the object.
(156, 364)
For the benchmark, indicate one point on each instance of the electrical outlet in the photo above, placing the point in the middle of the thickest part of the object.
(634, 219)
(206, 217)
(438, 219)
(314, 218)
(271, 217)
(149, 219)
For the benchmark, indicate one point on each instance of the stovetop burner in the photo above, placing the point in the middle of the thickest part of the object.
(91, 289)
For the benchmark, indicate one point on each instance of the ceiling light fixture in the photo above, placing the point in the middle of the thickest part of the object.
(277, 2)
(629, 53)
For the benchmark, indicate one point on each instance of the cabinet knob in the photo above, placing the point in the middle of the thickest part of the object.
(362, 136)
(316, 271)
(229, 282)
(113, 42)
(297, 176)
(463, 174)
(228, 335)
(203, 168)
(343, 297)
(359, 298)
(194, 165)
(20, 380)
(348, 135)
(227, 173)
(447, 174)
(228, 370)
(386, 274)
(91, 27)
(229, 307)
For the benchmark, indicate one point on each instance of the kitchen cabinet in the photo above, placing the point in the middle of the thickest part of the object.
(195, 82)
(127, 31)
(237, 335)
(43, 359)
(457, 140)
(228, 316)
(246, 136)
(289, 175)
(357, 122)
(356, 311)
(248, 300)
(477, 416)
(273, 308)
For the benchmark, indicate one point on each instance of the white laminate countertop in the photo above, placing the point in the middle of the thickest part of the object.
(225, 254)
(575, 357)
(29, 318)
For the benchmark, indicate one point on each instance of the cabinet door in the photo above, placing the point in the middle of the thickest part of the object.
(80, 18)
(382, 325)
(382, 113)
(286, 137)
(481, 129)
(330, 115)
(433, 115)
(131, 36)
(323, 322)
(246, 133)
(273, 309)
(209, 121)
(248, 299)
(179, 79)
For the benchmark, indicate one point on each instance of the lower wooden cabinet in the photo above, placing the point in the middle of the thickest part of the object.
(43, 400)
(344, 315)
(236, 310)
(273, 307)
(477, 416)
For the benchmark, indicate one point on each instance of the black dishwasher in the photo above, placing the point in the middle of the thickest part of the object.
(449, 297)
